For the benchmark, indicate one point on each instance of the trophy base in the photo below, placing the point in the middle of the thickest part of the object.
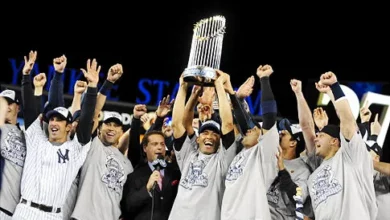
(198, 74)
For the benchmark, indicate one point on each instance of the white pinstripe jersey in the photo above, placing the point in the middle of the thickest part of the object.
(49, 169)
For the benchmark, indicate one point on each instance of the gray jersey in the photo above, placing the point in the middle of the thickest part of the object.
(279, 203)
(342, 187)
(13, 150)
(48, 172)
(382, 191)
(202, 182)
(71, 198)
(250, 175)
(101, 183)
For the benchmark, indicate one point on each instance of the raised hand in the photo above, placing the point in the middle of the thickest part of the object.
(375, 126)
(139, 110)
(328, 79)
(164, 107)
(145, 118)
(279, 156)
(80, 87)
(92, 73)
(246, 88)
(296, 86)
(224, 78)
(320, 118)
(263, 71)
(182, 82)
(59, 63)
(29, 62)
(115, 72)
(39, 80)
(365, 113)
(322, 88)
(208, 96)
(196, 90)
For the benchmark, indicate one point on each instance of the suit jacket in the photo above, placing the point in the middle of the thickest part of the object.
(136, 202)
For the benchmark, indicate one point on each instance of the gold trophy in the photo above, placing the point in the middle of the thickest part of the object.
(206, 49)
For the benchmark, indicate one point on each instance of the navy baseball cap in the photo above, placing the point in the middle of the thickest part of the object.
(332, 130)
(210, 125)
(295, 132)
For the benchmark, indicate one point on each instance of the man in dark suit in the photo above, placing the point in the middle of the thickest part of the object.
(139, 193)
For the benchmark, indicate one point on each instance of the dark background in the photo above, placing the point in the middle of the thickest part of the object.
(152, 39)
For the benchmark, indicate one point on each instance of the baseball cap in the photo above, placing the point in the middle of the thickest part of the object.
(10, 96)
(112, 116)
(61, 112)
(332, 130)
(295, 132)
(210, 125)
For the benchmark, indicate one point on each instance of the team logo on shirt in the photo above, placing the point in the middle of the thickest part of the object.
(324, 185)
(114, 178)
(14, 148)
(63, 157)
(236, 167)
(195, 176)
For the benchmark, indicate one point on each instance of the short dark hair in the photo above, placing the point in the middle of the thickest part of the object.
(145, 139)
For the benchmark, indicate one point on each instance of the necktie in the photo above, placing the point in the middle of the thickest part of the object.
(160, 180)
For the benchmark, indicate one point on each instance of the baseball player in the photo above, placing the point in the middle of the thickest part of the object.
(103, 174)
(293, 173)
(13, 153)
(203, 160)
(342, 187)
(254, 168)
(52, 161)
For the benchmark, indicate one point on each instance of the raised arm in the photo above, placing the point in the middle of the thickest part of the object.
(79, 89)
(189, 110)
(56, 90)
(85, 125)
(348, 126)
(162, 111)
(365, 116)
(178, 110)
(268, 103)
(134, 152)
(114, 73)
(304, 115)
(225, 111)
(39, 82)
(29, 106)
